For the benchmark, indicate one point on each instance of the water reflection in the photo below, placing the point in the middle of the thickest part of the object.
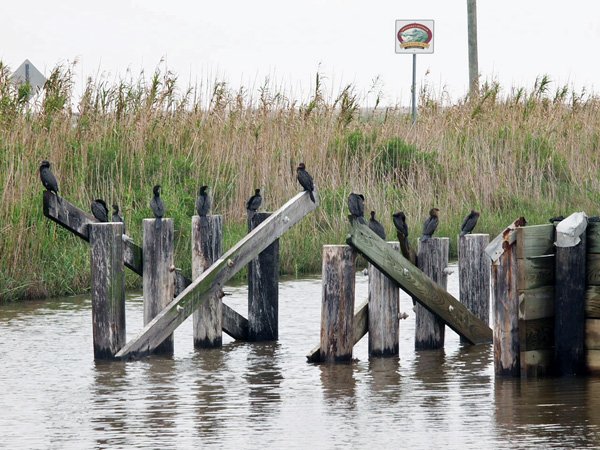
(385, 377)
(339, 384)
(109, 416)
(211, 394)
(264, 378)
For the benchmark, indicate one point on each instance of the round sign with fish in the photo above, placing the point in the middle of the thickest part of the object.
(414, 36)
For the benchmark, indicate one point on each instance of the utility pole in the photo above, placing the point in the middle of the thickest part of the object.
(472, 32)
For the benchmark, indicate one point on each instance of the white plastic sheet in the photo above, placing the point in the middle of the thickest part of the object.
(569, 230)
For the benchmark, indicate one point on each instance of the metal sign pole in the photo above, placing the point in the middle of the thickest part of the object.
(414, 90)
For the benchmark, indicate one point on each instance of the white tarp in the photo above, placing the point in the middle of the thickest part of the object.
(569, 230)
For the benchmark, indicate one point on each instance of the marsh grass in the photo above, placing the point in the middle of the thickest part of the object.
(532, 152)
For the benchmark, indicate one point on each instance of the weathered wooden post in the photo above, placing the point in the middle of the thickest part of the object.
(384, 306)
(432, 259)
(263, 288)
(474, 275)
(158, 267)
(108, 289)
(207, 247)
(337, 311)
(569, 302)
(592, 300)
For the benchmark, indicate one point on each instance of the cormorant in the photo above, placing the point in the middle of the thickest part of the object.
(116, 217)
(254, 202)
(430, 224)
(305, 180)
(100, 210)
(356, 205)
(203, 202)
(400, 223)
(469, 223)
(376, 226)
(48, 178)
(156, 204)
(558, 219)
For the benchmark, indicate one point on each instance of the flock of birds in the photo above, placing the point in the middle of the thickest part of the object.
(356, 205)
(203, 201)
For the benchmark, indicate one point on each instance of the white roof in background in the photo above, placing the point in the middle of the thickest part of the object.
(27, 72)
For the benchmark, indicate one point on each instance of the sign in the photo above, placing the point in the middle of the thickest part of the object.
(414, 36)
(27, 73)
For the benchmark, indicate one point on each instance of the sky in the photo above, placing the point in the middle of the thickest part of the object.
(346, 41)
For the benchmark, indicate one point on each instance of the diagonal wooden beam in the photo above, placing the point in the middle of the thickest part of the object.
(212, 280)
(76, 221)
(413, 281)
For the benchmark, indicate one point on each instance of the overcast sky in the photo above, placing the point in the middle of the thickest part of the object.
(347, 41)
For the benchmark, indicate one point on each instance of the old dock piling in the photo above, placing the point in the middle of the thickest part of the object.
(263, 288)
(592, 298)
(207, 247)
(337, 307)
(474, 275)
(158, 279)
(384, 307)
(203, 287)
(569, 303)
(432, 259)
(108, 289)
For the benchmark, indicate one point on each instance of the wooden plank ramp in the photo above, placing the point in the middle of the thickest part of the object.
(417, 284)
(212, 280)
(76, 221)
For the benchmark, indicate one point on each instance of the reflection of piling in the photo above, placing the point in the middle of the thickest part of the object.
(384, 299)
(108, 288)
(207, 246)
(569, 304)
(432, 259)
(337, 311)
(263, 288)
(474, 275)
(158, 279)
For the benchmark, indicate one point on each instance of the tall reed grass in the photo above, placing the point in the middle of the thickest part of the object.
(532, 152)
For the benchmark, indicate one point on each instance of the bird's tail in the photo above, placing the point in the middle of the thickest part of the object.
(462, 233)
(157, 223)
(362, 220)
(312, 196)
(425, 238)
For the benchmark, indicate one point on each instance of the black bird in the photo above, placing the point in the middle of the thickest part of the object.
(400, 223)
(48, 178)
(100, 210)
(156, 204)
(356, 205)
(203, 202)
(116, 217)
(305, 180)
(254, 202)
(376, 226)
(430, 224)
(558, 219)
(469, 223)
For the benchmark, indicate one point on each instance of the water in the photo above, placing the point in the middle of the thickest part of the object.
(53, 394)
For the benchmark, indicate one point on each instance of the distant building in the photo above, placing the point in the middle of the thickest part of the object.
(27, 73)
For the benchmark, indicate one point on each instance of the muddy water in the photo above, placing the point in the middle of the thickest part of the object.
(53, 394)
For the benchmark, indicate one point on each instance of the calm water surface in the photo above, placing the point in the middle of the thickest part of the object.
(53, 394)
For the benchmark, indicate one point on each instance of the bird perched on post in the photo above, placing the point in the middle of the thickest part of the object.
(100, 210)
(254, 202)
(430, 224)
(116, 217)
(156, 204)
(376, 226)
(305, 180)
(356, 205)
(469, 223)
(48, 178)
(203, 202)
(399, 219)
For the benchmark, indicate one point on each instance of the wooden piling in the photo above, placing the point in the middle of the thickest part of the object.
(506, 317)
(263, 288)
(207, 247)
(108, 289)
(384, 306)
(158, 267)
(474, 275)
(337, 311)
(569, 307)
(432, 259)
